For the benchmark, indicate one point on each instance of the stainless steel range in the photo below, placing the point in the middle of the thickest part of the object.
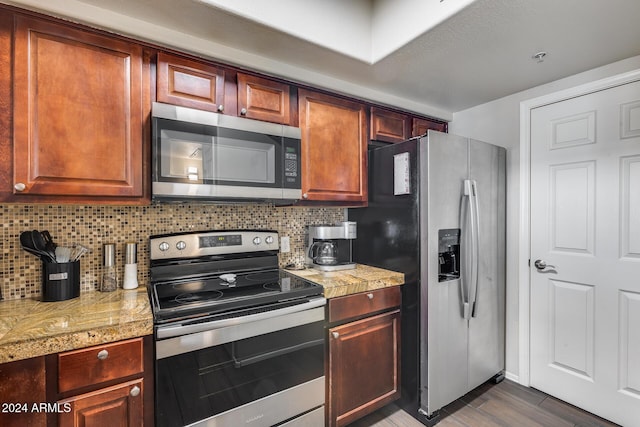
(238, 341)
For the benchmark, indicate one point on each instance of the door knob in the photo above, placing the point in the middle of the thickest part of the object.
(541, 264)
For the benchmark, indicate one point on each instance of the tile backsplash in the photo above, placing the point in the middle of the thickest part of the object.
(93, 226)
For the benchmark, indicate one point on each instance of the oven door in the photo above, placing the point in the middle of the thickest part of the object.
(261, 370)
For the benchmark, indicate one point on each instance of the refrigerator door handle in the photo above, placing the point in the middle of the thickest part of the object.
(471, 193)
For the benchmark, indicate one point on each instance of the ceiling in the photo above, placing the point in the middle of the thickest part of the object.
(429, 56)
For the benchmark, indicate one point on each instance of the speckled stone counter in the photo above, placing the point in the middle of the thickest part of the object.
(30, 328)
(346, 282)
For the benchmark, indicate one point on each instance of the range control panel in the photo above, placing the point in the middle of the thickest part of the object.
(197, 244)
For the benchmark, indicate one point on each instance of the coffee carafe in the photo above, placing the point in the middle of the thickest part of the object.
(329, 247)
(324, 252)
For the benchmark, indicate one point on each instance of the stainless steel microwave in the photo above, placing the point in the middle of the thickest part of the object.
(203, 156)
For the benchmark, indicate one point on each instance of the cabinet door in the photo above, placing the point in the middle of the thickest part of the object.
(363, 367)
(334, 148)
(190, 83)
(120, 405)
(389, 126)
(78, 113)
(421, 126)
(6, 150)
(22, 385)
(264, 99)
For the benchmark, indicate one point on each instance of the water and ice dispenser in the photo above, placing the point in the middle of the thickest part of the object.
(448, 254)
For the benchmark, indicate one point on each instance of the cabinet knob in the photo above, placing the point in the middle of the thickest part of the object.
(305, 196)
(135, 391)
(221, 108)
(103, 354)
(243, 112)
(370, 295)
(335, 335)
(20, 186)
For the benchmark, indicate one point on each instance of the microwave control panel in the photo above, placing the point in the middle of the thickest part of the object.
(291, 163)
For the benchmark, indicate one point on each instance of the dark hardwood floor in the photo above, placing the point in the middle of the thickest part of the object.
(507, 404)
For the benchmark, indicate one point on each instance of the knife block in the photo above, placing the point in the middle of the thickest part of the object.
(60, 281)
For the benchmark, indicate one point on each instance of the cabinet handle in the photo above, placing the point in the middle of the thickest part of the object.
(221, 108)
(305, 196)
(335, 335)
(20, 186)
(370, 295)
(243, 112)
(135, 391)
(103, 354)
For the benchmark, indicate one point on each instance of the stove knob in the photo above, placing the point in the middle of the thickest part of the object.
(181, 245)
(268, 240)
(257, 240)
(164, 246)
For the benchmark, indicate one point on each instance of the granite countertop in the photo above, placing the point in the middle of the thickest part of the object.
(30, 328)
(346, 282)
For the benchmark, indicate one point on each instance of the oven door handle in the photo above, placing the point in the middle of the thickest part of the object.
(179, 339)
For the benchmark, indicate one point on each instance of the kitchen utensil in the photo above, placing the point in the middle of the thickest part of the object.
(26, 241)
(49, 243)
(77, 251)
(63, 253)
(40, 244)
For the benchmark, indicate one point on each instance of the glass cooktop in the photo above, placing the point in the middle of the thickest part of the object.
(228, 291)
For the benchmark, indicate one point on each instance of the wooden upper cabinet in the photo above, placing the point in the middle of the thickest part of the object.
(6, 105)
(389, 126)
(78, 113)
(190, 83)
(264, 99)
(421, 126)
(334, 148)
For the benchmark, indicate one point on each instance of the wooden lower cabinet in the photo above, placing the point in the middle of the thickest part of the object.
(363, 367)
(22, 385)
(105, 385)
(120, 405)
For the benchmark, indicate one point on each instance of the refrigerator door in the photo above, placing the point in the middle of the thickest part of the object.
(487, 324)
(446, 164)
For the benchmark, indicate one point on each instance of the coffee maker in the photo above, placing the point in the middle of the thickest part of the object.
(329, 247)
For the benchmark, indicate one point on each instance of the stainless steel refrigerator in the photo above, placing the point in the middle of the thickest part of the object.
(436, 213)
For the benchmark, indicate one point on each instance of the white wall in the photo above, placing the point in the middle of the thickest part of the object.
(498, 122)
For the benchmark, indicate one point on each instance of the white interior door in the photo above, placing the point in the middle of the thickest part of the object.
(585, 224)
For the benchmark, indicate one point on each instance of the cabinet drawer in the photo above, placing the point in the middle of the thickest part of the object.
(90, 366)
(362, 304)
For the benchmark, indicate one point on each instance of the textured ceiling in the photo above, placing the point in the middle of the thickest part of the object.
(479, 54)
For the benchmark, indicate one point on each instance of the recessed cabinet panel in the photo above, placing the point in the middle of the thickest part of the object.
(421, 126)
(182, 81)
(389, 126)
(22, 385)
(264, 99)
(363, 367)
(334, 148)
(120, 405)
(78, 114)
